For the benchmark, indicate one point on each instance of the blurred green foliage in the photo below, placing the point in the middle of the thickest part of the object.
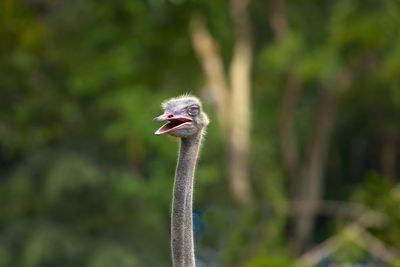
(84, 182)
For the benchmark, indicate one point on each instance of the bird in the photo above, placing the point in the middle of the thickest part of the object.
(187, 121)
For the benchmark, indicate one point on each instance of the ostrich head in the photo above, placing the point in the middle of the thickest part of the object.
(184, 115)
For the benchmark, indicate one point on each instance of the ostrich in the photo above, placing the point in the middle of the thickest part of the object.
(187, 121)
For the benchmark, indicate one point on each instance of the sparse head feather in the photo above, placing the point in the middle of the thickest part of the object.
(180, 101)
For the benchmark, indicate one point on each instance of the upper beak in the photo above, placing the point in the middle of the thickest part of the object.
(164, 117)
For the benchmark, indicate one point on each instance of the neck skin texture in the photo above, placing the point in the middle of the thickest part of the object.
(182, 223)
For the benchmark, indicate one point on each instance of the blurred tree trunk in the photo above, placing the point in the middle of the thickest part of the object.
(231, 99)
(239, 131)
(311, 173)
(287, 136)
(291, 92)
(306, 177)
(207, 51)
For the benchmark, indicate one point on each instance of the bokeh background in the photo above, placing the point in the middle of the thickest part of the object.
(300, 165)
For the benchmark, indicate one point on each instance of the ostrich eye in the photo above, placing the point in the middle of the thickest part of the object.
(193, 110)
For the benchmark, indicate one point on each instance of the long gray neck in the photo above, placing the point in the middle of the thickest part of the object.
(182, 224)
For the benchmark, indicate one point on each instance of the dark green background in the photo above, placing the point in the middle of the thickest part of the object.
(83, 179)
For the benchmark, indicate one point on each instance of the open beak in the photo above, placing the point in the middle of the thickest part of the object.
(174, 122)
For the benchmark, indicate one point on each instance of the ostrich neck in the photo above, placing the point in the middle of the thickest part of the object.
(182, 224)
